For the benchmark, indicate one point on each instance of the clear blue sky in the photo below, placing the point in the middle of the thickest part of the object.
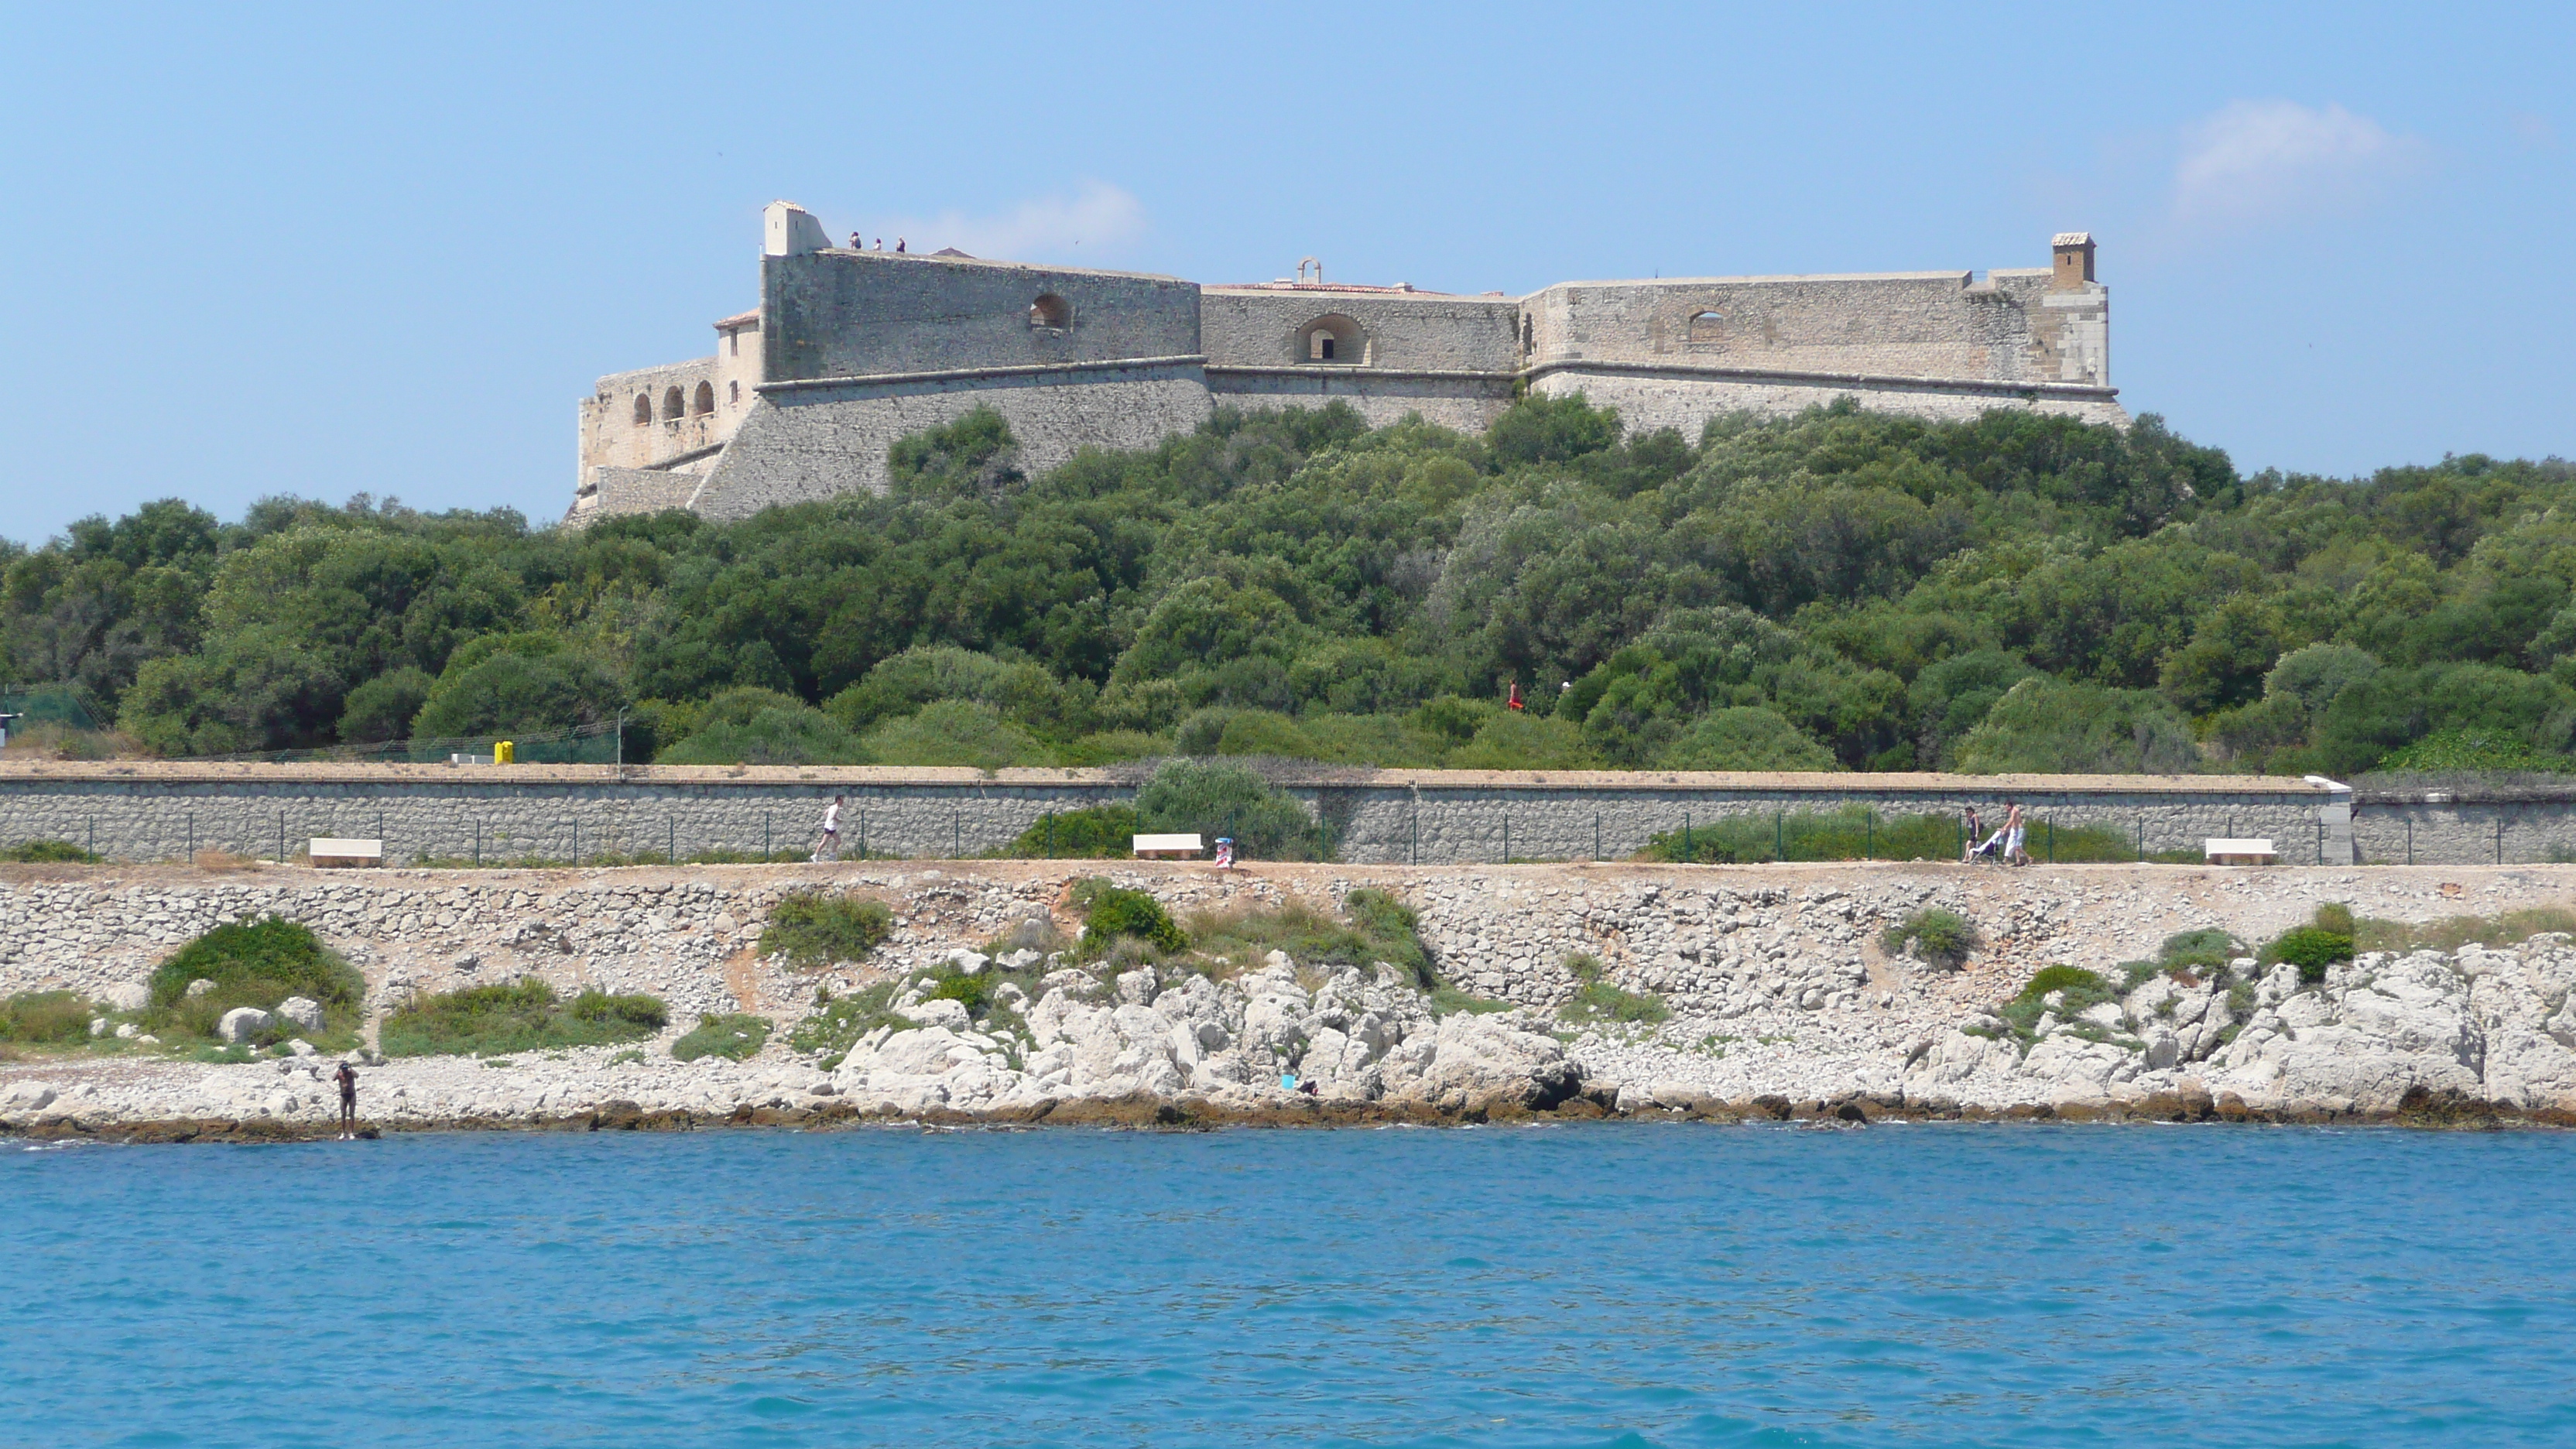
(324, 250)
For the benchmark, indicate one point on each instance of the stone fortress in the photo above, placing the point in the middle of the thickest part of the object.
(851, 350)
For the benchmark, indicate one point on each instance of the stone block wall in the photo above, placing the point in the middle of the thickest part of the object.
(1262, 327)
(849, 314)
(1685, 398)
(1467, 403)
(811, 441)
(550, 812)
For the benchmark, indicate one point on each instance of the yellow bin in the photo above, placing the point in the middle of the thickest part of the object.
(504, 753)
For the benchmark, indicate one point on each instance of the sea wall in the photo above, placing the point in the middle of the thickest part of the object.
(170, 810)
(1777, 986)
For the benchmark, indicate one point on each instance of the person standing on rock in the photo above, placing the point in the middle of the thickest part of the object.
(831, 839)
(347, 1077)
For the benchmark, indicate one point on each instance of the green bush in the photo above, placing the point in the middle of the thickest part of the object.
(1102, 832)
(1378, 928)
(2334, 916)
(838, 1022)
(2202, 948)
(48, 852)
(972, 992)
(954, 732)
(2044, 726)
(255, 963)
(46, 1018)
(2083, 990)
(733, 1037)
(1110, 912)
(816, 930)
(516, 1016)
(1597, 1002)
(1941, 937)
(2310, 948)
(1187, 797)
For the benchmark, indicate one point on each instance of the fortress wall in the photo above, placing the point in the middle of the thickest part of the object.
(1648, 399)
(1923, 324)
(813, 442)
(611, 438)
(1469, 405)
(162, 811)
(1245, 327)
(848, 314)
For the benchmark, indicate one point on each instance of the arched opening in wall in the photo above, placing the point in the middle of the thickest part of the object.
(643, 407)
(1333, 338)
(673, 404)
(1707, 327)
(705, 401)
(1051, 313)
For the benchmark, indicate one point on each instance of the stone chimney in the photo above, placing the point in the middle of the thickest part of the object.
(2073, 261)
(789, 230)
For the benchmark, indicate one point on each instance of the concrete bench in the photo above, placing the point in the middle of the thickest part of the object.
(1167, 847)
(327, 853)
(2219, 851)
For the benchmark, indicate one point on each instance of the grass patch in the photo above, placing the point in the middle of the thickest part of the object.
(48, 852)
(2450, 933)
(1940, 937)
(514, 1017)
(46, 1018)
(1596, 1002)
(1858, 833)
(839, 1022)
(1103, 832)
(815, 930)
(2310, 948)
(1449, 1000)
(735, 1037)
(2077, 991)
(255, 963)
(1378, 928)
(1110, 912)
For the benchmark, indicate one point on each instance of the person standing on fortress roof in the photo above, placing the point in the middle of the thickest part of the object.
(898, 244)
(854, 243)
(831, 838)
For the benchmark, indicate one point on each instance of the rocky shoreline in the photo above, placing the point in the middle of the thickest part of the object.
(1775, 1000)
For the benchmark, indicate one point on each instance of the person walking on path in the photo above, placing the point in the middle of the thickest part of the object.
(830, 843)
(1969, 850)
(347, 1077)
(2013, 831)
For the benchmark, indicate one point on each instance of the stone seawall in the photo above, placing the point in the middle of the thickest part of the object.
(1779, 988)
(168, 811)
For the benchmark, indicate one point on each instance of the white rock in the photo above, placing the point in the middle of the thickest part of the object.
(300, 1047)
(242, 1023)
(199, 987)
(968, 962)
(127, 995)
(304, 1011)
(941, 1012)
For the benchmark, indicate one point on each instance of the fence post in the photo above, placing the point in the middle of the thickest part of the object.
(1686, 838)
(2410, 840)
(2142, 840)
(956, 832)
(1507, 835)
(478, 842)
(1416, 857)
(2052, 842)
(576, 841)
(93, 835)
(1780, 834)
(2499, 840)
(863, 835)
(765, 851)
(281, 837)
(1868, 832)
(1596, 835)
(192, 835)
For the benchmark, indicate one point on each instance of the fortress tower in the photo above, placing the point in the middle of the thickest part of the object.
(851, 350)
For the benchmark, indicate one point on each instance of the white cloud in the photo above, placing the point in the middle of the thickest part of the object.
(1089, 226)
(2258, 161)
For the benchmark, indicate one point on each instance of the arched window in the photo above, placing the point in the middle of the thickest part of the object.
(1052, 312)
(1333, 338)
(673, 404)
(1707, 326)
(643, 407)
(705, 401)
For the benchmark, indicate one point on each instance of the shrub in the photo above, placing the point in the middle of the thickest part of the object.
(1110, 912)
(954, 732)
(2334, 916)
(2042, 726)
(516, 1016)
(38, 1018)
(2082, 990)
(2450, 933)
(1379, 928)
(1940, 937)
(733, 1037)
(972, 992)
(838, 1022)
(1102, 832)
(2310, 948)
(1596, 1001)
(48, 852)
(255, 963)
(815, 930)
(2208, 947)
(1747, 737)
(1213, 800)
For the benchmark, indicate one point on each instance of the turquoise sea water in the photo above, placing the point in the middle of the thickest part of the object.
(1591, 1284)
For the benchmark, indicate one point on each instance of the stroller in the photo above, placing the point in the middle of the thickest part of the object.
(1986, 851)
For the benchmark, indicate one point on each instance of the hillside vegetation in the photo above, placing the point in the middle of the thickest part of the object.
(1835, 590)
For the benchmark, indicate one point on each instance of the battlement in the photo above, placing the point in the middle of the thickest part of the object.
(849, 350)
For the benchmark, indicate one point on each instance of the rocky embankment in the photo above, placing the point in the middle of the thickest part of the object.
(1775, 995)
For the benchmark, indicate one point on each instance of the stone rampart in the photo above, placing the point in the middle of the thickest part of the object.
(1466, 401)
(165, 811)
